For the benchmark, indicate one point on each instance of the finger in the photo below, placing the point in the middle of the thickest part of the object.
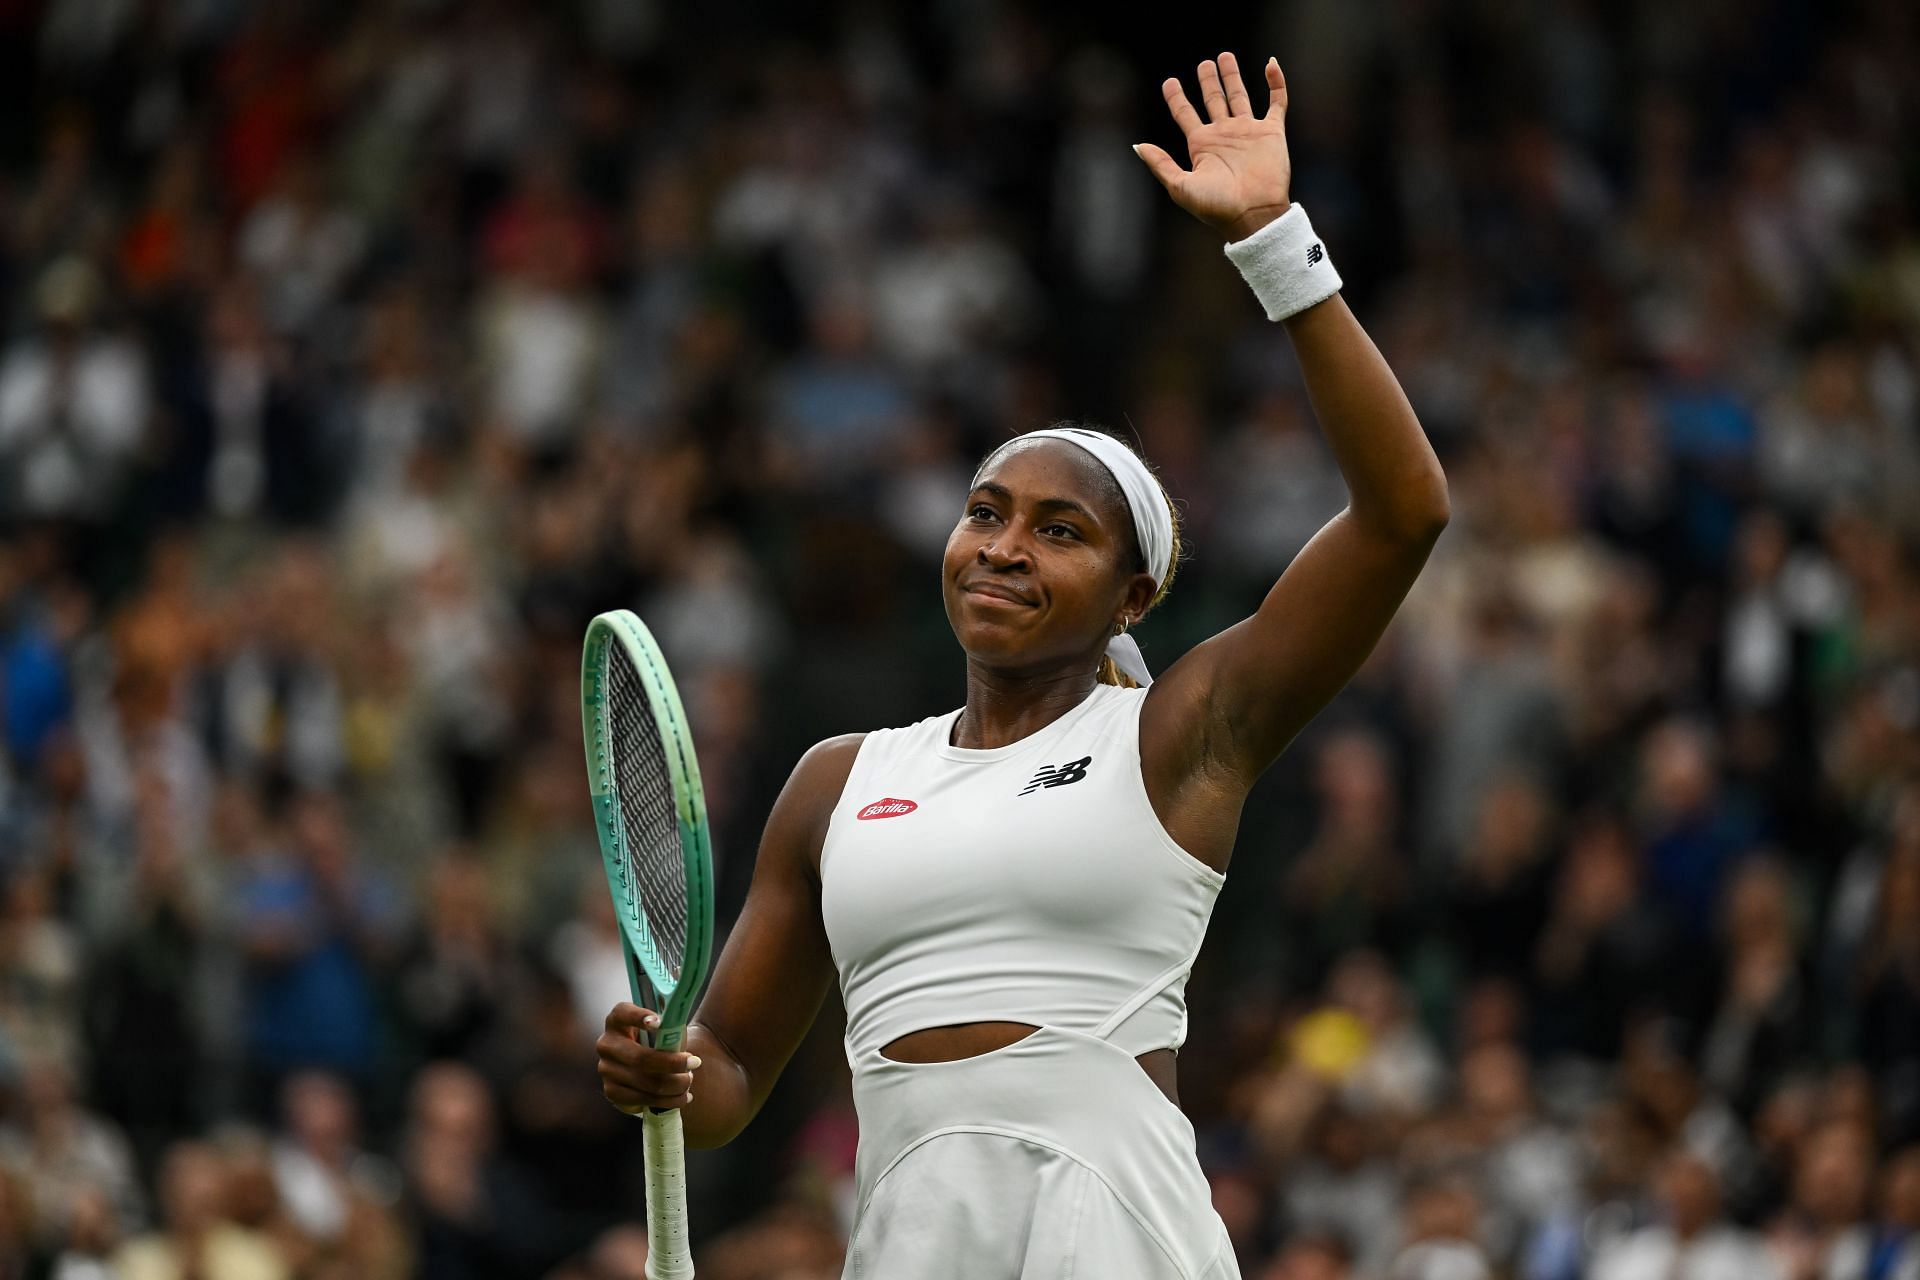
(1161, 165)
(638, 1057)
(616, 1044)
(662, 1084)
(651, 1067)
(1237, 100)
(1212, 94)
(634, 1103)
(652, 1087)
(1179, 106)
(634, 1056)
(626, 1017)
(1276, 88)
(662, 1098)
(612, 1047)
(1183, 113)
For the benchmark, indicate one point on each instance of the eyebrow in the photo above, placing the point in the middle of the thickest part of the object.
(1005, 494)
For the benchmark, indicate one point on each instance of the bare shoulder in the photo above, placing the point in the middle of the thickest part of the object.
(842, 746)
(798, 823)
(826, 764)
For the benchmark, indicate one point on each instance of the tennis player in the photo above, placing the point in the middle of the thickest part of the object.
(1012, 894)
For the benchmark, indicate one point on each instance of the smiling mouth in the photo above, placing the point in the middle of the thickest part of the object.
(1001, 594)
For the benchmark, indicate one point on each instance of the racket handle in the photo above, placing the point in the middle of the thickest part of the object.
(668, 1257)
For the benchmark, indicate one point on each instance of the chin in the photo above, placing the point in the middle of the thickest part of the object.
(990, 644)
(993, 642)
(1014, 655)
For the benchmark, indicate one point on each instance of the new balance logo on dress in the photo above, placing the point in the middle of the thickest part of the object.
(1314, 253)
(1071, 771)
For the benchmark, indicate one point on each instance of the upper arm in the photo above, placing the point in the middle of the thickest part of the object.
(776, 967)
(1232, 704)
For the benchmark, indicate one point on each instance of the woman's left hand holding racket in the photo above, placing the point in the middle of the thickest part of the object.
(635, 1077)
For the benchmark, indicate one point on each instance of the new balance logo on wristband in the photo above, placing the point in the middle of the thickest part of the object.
(1314, 253)
(1071, 771)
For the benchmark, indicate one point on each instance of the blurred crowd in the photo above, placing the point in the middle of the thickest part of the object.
(354, 355)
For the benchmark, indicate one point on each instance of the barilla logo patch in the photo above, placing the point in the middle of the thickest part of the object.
(887, 807)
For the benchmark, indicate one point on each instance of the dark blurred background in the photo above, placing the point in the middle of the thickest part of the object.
(355, 354)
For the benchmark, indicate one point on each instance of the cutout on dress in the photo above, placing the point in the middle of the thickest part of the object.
(957, 1042)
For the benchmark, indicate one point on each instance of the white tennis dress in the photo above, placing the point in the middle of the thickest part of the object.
(1026, 883)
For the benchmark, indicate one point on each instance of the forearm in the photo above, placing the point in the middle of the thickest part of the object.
(1241, 183)
(1395, 483)
(723, 1099)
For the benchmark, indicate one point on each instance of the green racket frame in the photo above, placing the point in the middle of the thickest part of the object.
(668, 1256)
(690, 809)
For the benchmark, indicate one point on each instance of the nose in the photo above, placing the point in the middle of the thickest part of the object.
(1004, 550)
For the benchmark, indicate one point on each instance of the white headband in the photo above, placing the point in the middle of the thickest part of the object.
(1152, 521)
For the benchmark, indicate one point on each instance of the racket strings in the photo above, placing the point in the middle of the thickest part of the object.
(655, 870)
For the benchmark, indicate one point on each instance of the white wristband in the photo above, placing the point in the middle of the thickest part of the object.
(1286, 265)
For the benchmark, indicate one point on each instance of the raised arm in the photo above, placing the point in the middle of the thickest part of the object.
(1229, 707)
(766, 988)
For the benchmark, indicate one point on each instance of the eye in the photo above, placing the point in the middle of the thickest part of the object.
(1058, 530)
(981, 511)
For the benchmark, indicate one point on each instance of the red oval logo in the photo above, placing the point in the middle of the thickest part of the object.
(887, 807)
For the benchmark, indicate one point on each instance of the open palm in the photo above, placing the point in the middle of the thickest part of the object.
(1241, 171)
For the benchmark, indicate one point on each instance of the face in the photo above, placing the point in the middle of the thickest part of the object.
(1900, 1190)
(1043, 564)
(1835, 1172)
(1692, 1193)
(192, 1186)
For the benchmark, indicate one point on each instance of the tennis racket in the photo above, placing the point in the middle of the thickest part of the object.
(652, 820)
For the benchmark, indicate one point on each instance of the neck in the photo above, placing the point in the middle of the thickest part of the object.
(1003, 708)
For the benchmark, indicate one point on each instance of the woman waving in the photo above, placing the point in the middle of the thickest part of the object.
(1011, 894)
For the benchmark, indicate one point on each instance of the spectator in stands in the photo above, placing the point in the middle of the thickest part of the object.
(197, 1236)
(1691, 1240)
(64, 1155)
(473, 1213)
(316, 927)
